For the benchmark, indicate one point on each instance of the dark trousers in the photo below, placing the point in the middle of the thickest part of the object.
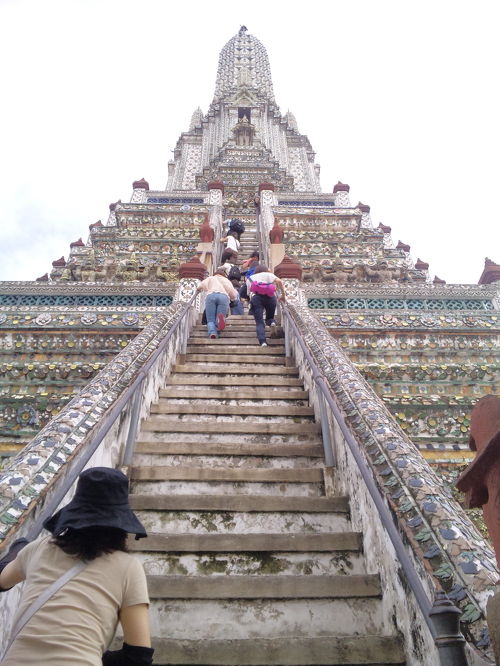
(258, 305)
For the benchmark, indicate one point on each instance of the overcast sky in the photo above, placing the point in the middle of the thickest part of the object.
(399, 99)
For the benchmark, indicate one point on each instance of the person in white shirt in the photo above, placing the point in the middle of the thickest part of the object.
(219, 292)
(231, 240)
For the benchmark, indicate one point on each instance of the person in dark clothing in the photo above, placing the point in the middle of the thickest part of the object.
(76, 623)
(261, 287)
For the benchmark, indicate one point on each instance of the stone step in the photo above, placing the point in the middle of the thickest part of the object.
(244, 328)
(227, 462)
(268, 475)
(228, 449)
(164, 407)
(254, 522)
(233, 338)
(257, 488)
(229, 357)
(343, 563)
(264, 587)
(238, 503)
(239, 351)
(241, 321)
(264, 618)
(281, 393)
(243, 439)
(237, 543)
(159, 424)
(236, 369)
(241, 380)
(238, 331)
(290, 650)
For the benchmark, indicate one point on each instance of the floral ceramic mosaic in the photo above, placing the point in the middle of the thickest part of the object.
(30, 472)
(459, 557)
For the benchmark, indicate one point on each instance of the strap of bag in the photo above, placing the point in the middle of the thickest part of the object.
(45, 596)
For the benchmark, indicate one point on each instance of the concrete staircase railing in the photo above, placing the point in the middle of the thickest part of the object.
(440, 540)
(250, 558)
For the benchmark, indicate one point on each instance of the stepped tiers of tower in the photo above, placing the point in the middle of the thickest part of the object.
(143, 243)
(232, 480)
(428, 349)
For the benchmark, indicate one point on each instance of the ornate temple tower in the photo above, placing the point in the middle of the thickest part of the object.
(243, 140)
(428, 349)
(404, 359)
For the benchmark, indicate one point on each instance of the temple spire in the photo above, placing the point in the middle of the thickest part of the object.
(243, 61)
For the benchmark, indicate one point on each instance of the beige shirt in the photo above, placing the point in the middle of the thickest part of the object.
(75, 626)
(218, 284)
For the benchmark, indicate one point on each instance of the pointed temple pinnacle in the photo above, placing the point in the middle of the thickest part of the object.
(243, 61)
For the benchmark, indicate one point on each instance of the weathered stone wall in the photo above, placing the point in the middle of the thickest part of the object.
(448, 551)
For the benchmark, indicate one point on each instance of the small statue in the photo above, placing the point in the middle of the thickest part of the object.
(206, 232)
(276, 234)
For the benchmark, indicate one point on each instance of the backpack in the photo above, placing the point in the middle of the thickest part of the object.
(234, 273)
(262, 288)
(250, 272)
(237, 225)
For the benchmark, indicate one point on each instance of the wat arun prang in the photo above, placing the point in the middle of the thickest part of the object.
(430, 350)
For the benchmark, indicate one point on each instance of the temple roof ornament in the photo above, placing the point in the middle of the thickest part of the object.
(243, 62)
(291, 121)
(196, 119)
(491, 272)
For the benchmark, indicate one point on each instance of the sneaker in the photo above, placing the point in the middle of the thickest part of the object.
(213, 336)
(273, 323)
(263, 344)
(221, 324)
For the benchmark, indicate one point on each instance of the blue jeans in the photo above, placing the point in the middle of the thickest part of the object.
(259, 304)
(237, 309)
(215, 303)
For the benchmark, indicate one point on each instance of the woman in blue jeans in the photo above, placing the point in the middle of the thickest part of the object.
(261, 288)
(219, 292)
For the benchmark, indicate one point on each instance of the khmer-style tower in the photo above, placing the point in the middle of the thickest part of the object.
(404, 357)
(428, 349)
(243, 140)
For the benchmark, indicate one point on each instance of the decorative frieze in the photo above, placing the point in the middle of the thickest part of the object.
(439, 532)
(368, 319)
(398, 304)
(56, 317)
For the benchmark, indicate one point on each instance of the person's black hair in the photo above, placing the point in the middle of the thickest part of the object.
(255, 254)
(228, 254)
(91, 542)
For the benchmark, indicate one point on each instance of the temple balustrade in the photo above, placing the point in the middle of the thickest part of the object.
(447, 550)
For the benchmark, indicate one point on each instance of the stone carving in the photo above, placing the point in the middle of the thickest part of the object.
(276, 234)
(379, 273)
(444, 539)
(206, 232)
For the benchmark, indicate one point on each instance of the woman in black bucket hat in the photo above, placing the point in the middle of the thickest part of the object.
(97, 583)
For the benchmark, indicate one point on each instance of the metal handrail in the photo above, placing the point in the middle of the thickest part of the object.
(132, 391)
(423, 600)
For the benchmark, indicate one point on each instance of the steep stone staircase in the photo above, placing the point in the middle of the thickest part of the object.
(248, 560)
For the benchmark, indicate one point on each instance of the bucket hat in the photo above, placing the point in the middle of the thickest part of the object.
(100, 500)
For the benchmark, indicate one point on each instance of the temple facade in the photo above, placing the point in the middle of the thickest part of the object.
(429, 349)
(404, 357)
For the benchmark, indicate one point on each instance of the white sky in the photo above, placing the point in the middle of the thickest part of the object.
(399, 99)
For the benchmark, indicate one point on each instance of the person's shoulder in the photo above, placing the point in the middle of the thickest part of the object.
(266, 276)
(35, 549)
(124, 561)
